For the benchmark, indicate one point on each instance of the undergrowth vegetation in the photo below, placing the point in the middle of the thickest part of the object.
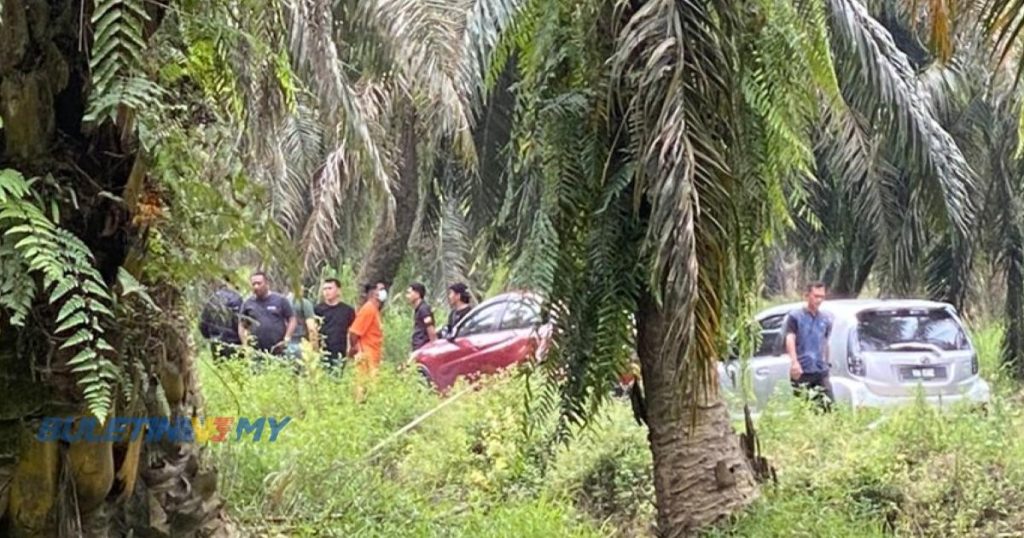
(912, 472)
(470, 469)
(473, 468)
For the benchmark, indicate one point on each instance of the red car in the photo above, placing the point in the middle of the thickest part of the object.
(500, 332)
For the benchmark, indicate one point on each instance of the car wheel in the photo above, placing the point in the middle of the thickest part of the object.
(427, 380)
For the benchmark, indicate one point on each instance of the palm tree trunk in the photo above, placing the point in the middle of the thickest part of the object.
(701, 475)
(775, 282)
(390, 244)
(88, 489)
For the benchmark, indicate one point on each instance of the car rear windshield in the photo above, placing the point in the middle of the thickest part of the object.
(900, 329)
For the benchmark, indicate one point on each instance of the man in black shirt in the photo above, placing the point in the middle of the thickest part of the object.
(335, 319)
(219, 321)
(267, 316)
(423, 318)
(458, 299)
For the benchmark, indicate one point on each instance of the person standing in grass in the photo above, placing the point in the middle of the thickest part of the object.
(458, 300)
(267, 316)
(807, 332)
(219, 320)
(366, 339)
(336, 318)
(304, 327)
(423, 331)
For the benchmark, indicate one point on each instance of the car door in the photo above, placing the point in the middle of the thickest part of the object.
(476, 336)
(519, 327)
(767, 368)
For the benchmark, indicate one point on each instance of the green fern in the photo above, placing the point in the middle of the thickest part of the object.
(117, 63)
(33, 244)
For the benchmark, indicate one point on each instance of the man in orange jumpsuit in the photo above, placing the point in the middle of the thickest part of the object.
(366, 339)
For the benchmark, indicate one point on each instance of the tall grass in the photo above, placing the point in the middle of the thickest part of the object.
(472, 469)
(914, 471)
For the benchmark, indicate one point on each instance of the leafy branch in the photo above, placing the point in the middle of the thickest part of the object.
(117, 60)
(32, 244)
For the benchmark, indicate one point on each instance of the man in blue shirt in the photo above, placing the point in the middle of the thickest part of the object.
(807, 333)
(267, 316)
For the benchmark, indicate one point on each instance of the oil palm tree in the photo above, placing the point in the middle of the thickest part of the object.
(885, 230)
(1003, 21)
(894, 192)
(147, 158)
(653, 144)
(392, 84)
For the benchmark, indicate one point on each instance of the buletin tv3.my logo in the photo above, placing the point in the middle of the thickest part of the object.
(158, 429)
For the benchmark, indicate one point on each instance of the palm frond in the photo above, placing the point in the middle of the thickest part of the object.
(443, 50)
(671, 63)
(879, 82)
(302, 141)
(486, 24)
(356, 113)
(1003, 20)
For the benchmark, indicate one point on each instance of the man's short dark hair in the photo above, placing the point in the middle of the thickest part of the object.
(815, 285)
(334, 281)
(462, 290)
(259, 273)
(419, 289)
(367, 288)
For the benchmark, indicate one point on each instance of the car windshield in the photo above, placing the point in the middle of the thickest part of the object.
(901, 329)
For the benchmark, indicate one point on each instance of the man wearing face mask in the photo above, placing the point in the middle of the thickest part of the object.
(367, 338)
(382, 289)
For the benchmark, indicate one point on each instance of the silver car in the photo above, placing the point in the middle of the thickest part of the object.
(881, 351)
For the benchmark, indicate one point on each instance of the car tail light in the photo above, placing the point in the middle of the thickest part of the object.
(974, 364)
(854, 362)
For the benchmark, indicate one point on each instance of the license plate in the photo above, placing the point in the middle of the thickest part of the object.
(923, 373)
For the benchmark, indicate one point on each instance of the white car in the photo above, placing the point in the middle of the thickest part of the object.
(881, 351)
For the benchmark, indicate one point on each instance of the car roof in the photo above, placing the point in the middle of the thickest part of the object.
(849, 308)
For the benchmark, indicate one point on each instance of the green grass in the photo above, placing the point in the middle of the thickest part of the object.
(469, 470)
(917, 472)
(473, 470)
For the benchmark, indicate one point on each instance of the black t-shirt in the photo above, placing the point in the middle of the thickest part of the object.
(422, 317)
(219, 320)
(455, 316)
(336, 319)
(267, 319)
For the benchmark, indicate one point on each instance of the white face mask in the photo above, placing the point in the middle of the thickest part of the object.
(382, 295)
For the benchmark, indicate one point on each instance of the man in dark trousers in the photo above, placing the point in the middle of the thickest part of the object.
(807, 332)
(423, 330)
(267, 316)
(458, 300)
(219, 321)
(335, 317)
